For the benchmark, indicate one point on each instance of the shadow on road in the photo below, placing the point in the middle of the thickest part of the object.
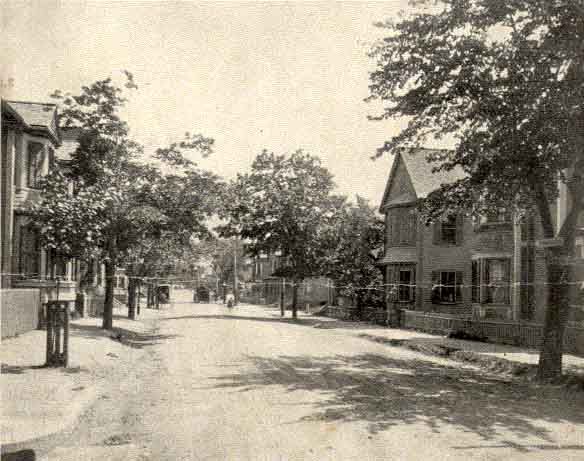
(385, 391)
(7, 369)
(127, 337)
(21, 455)
(325, 323)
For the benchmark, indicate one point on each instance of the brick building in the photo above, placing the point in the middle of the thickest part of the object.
(486, 268)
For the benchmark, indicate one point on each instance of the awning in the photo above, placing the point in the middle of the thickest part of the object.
(399, 255)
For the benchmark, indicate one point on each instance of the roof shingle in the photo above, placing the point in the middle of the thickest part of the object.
(37, 115)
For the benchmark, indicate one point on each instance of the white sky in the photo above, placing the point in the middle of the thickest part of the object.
(279, 76)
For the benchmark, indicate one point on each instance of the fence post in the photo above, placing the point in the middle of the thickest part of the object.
(65, 360)
(282, 288)
(49, 323)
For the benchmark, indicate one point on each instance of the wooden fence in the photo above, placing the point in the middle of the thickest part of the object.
(504, 332)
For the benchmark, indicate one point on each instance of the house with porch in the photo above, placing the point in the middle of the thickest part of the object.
(31, 146)
(490, 268)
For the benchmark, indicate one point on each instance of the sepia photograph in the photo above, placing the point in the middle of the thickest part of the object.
(292, 230)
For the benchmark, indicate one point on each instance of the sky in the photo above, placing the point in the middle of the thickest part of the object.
(253, 76)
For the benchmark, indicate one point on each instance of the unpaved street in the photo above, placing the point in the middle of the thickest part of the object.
(245, 385)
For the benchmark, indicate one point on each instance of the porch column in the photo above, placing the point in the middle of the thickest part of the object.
(7, 206)
(44, 265)
(69, 271)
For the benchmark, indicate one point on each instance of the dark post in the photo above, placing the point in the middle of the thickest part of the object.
(66, 337)
(282, 288)
(57, 345)
(49, 321)
(139, 288)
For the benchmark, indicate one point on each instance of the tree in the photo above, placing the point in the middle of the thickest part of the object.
(284, 204)
(504, 79)
(185, 196)
(217, 254)
(356, 236)
(107, 202)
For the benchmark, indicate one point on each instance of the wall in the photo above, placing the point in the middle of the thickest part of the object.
(20, 311)
(454, 258)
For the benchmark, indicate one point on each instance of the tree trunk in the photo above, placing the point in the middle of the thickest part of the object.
(150, 296)
(556, 314)
(108, 305)
(132, 285)
(295, 299)
(139, 289)
(560, 274)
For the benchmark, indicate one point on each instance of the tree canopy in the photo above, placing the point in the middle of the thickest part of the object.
(110, 202)
(286, 204)
(357, 236)
(504, 79)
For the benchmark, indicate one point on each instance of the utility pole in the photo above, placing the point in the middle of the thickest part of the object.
(235, 283)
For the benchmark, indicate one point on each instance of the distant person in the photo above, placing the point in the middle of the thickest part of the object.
(230, 299)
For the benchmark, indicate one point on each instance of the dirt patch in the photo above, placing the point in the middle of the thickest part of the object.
(574, 382)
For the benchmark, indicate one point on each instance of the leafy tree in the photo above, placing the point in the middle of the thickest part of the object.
(217, 254)
(356, 235)
(504, 79)
(107, 203)
(284, 204)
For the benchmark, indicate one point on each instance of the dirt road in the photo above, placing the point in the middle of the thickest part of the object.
(246, 385)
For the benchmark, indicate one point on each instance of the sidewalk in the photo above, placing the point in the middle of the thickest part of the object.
(37, 401)
(498, 357)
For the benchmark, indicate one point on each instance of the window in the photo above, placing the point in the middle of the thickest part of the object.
(401, 226)
(448, 231)
(579, 247)
(497, 275)
(29, 252)
(500, 215)
(52, 159)
(406, 285)
(446, 287)
(34, 165)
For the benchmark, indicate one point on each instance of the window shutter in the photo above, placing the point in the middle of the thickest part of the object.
(459, 228)
(459, 277)
(474, 281)
(394, 229)
(435, 297)
(437, 236)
